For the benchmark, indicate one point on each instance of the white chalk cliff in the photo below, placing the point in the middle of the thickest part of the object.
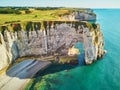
(48, 38)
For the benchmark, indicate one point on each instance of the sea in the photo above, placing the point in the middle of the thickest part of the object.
(103, 74)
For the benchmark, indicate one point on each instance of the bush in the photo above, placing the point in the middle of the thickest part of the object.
(17, 12)
(27, 11)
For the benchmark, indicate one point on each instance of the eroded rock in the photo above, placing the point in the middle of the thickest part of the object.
(51, 38)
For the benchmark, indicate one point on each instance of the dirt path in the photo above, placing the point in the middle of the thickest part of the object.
(17, 76)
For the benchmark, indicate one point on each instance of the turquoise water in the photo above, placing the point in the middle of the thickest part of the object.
(101, 75)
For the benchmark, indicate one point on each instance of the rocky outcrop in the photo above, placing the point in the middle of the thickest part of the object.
(49, 38)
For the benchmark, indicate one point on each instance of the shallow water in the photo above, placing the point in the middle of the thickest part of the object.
(101, 75)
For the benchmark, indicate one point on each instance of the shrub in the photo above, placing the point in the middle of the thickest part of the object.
(27, 11)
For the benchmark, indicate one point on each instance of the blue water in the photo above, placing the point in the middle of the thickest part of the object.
(101, 75)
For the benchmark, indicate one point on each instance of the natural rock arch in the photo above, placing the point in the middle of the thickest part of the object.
(51, 38)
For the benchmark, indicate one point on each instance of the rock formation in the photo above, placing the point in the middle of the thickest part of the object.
(84, 15)
(49, 38)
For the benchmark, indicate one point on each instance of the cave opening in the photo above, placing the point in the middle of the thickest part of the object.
(81, 55)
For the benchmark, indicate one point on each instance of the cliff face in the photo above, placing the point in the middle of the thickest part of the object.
(49, 38)
(85, 15)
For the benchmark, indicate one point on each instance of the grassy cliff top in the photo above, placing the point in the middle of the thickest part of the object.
(18, 14)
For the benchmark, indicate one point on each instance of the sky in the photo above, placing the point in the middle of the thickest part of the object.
(63, 3)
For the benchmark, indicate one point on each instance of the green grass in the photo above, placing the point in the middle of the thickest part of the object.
(41, 15)
(36, 15)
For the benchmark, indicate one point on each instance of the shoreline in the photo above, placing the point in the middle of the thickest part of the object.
(52, 59)
(21, 75)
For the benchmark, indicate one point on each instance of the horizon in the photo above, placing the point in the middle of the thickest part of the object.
(57, 7)
(61, 3)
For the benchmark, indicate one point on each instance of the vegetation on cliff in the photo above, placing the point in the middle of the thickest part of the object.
(40, 25)
(22, 14)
